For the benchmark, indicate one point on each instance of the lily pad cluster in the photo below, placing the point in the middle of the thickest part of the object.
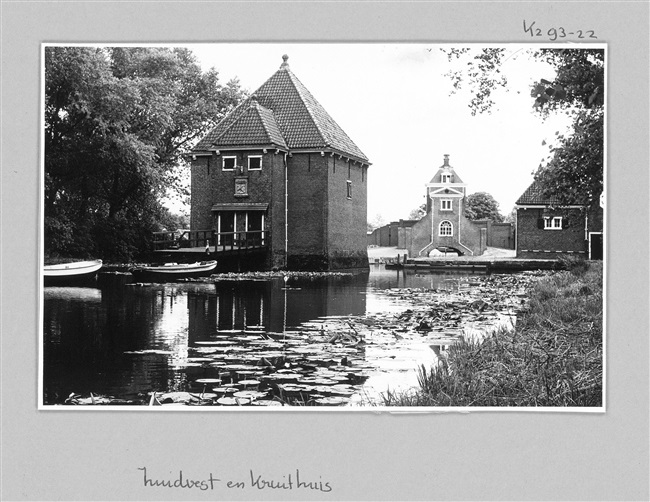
(326, 362)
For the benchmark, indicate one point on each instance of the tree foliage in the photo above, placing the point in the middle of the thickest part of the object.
(117, 122)
(481, 205)
(573, 173)
(418, 213)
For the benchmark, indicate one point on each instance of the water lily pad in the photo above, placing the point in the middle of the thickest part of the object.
(249, 383)
(266, 402)
(227, 401)
(208, 380)
(332, 401)
(175, 397)
(250, 394)
(283, 376)
(342, 392)
(224, 391)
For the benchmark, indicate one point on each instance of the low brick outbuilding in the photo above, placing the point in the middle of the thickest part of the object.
(545, 229)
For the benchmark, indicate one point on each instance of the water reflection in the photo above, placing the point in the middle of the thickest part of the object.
(126, 340)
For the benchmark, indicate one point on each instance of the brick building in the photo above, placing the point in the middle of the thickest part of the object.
(548, 230)
(445, 225)
(279, 163)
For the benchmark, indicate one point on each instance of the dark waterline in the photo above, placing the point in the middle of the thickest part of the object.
(122, 340)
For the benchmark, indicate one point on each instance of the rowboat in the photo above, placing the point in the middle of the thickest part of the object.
(64, 274)
(173, 271)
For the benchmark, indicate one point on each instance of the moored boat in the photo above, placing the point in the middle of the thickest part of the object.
(65, 274)
(173, 271)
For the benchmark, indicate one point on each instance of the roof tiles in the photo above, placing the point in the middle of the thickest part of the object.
(290, 117)
(535, 196)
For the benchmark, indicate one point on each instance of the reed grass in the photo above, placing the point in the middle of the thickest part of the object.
(552, 358)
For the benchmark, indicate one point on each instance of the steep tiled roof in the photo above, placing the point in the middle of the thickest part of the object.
(301, 120)
(534, 195)
(256, 125)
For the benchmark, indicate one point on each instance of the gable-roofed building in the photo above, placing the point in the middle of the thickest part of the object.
(444, 226)
(546, 229)
(278, 163)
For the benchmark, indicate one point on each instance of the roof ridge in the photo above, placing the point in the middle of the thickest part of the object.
(258, 108)
(315, 121)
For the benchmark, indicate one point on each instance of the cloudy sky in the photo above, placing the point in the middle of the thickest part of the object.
(394, 101)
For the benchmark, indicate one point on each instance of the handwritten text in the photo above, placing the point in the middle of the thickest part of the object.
(556, 32)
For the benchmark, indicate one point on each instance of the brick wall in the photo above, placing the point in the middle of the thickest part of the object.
(501, 235)
(347, 214)
(326, 229)
(211, 184)
(307, 211)
(420, 235)
(533, 242)
(202, 189)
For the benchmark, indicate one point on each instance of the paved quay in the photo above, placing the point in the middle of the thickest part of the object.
(494, 259)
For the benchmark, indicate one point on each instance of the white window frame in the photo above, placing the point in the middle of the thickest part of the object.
(349, 188)
(449, 225)
(445, 178)
(446, 202)
(223, 162)
(249, 162)
(552, 222)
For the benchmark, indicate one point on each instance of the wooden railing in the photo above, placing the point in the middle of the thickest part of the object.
(222, 241)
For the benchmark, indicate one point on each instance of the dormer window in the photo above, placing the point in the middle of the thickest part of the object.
(446, 178)
(229, 163)
(255, 163)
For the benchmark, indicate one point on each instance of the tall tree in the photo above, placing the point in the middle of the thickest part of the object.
(117, 122)
(481, 205)
(573, 173)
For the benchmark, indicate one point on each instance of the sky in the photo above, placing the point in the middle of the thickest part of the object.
(394, 102)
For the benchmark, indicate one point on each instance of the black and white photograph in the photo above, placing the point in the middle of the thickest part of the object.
(325, 250)
(323, 226)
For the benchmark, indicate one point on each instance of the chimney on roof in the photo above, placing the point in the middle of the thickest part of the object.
(446, 157)
(284, 64)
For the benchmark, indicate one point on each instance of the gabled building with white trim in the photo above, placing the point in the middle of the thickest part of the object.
(445, 227)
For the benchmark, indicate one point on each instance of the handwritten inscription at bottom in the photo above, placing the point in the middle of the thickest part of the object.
(255, 481)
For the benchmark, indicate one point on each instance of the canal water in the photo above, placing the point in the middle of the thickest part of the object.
(126, 340)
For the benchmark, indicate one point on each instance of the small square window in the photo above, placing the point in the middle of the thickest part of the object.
(229, 163)
(349, 189)
(446, 178)
(445, 205)
(255, 163)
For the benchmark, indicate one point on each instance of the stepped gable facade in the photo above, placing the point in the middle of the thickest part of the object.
(445, 226)
(547, 230)
(279, 163)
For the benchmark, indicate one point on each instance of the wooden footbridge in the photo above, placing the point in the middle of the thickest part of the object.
(194, 244)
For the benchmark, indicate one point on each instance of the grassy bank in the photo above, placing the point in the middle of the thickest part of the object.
(554, 357)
